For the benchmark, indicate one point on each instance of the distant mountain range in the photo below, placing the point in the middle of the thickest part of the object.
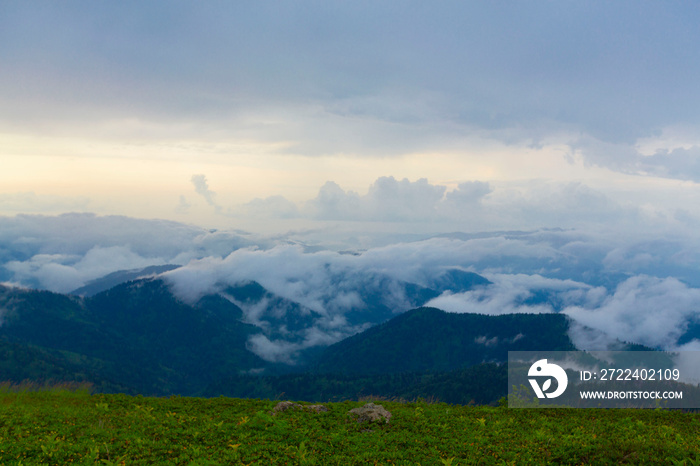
(116, 278)
(138, 337)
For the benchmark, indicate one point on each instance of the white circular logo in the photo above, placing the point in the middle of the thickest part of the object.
(547, 371)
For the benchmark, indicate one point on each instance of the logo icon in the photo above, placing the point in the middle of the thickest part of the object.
(542, 368)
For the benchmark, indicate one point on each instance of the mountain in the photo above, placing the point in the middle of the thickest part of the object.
(121, 276)
(385, 298)
(136, 337)
(425, 352)
(428, 339)
(289, 324)
(276, 317)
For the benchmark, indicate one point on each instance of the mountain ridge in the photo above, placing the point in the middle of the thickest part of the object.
(139, 337)
(429, 339)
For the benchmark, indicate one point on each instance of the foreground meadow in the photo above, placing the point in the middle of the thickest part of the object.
(61, 426)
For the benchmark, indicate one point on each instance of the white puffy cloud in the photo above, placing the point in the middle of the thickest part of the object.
(47, 271)
(202, 188)
(387, 199)
(532, 204)
(647, 310)
(65, 273)
(61, 253)
(468, 193)
(512, 294)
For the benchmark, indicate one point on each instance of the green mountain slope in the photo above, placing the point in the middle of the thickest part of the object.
(428, 339)
(135, 337)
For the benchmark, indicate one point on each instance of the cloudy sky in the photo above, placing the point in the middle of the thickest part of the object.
(268, 115)
(547, 145)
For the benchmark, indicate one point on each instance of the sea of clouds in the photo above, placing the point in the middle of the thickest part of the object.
(614, 287)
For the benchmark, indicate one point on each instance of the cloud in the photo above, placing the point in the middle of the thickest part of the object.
(642, 286)
(336, 287)
(345, 291)
(681, 163)
(325, 80)
(201, 187)
(65, 273)
(387, 200)
(540, 203)
(283, 351)
(471, 205)
(647, 310)
(468, 192)
(390, 199)
(513, 294)
(333, 203)
(47, 271)
(60, 252)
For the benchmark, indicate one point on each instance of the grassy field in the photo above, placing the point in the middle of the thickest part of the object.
(63, 426)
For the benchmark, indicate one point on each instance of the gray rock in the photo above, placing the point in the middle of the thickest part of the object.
(284, 406)
(371, 412)
(287, 405)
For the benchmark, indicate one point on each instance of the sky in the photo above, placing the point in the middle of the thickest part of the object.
(239, 114)
(138, 133)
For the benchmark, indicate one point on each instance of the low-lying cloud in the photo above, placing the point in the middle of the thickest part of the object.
(62, 253)
(640, 309)
(513, 294)
(642, 288)
(647, 310)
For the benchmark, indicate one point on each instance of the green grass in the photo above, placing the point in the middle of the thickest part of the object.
(49, 425)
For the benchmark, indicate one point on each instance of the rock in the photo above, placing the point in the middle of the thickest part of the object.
(317, 408)
(371, 412)
(286, 405)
